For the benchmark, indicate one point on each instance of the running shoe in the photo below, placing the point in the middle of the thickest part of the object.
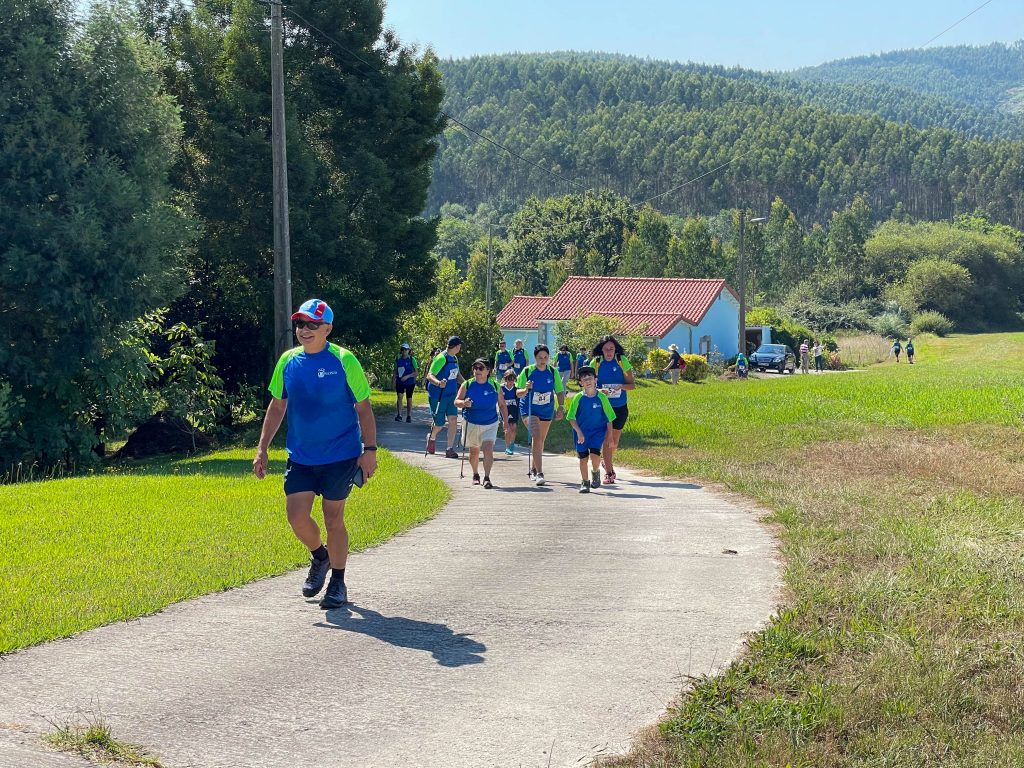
(476, 479)
(585, 486)
(509, 451)
(487, 483)
(314, 582)
(595, 478)
(398, 417)
(408, 419)
(451, 453)
(431, 445)
(539, 479)
(335, 596)
(609, 478)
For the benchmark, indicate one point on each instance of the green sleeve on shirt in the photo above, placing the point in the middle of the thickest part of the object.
(609, 412)
(277, 380)
(524, 376)
(354, 374)
(438, 363)
(574, 405)
(415, 364)
(559, 386)
(626, 365)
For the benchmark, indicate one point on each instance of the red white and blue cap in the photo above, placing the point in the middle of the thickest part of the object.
(315, 310)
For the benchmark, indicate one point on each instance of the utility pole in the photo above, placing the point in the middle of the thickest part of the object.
(743, 291)
(282, 255)
(489, 263)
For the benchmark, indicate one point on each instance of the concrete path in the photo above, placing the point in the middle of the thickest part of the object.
(522, 627)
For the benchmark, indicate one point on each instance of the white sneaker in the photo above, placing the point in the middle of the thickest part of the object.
(540, 479)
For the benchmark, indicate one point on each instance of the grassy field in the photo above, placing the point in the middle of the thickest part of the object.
(898, 496)
(86, 551)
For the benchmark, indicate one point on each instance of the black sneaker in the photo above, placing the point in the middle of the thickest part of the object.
(487, 483)
(316, 577)
(451, 454)
(595, 478)
(335, 596)
(408, 419)
(398, 417)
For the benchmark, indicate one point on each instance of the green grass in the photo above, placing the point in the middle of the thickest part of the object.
(898, 496)
(81, 552)
(95, 742)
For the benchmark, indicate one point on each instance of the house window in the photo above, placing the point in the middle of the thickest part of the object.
(705, 345)
(542, 333)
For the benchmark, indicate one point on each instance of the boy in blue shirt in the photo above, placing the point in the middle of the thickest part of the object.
(406, 367)
(331, 442)
(590, 415)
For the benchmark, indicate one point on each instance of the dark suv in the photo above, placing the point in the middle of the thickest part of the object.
(778, 357)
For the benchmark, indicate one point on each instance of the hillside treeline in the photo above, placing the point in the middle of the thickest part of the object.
(979, 75)
(642, 129)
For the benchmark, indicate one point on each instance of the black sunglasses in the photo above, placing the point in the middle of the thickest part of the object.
(310, 324)
(479, 367)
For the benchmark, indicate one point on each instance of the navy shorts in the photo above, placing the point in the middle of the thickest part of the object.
(405, 387)
(332, 481)
(513, 413)
(621, 414)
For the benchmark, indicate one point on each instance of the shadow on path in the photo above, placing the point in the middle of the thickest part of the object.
(683, 486)
(447, 648)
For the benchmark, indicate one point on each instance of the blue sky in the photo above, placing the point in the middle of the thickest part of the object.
(758, 35)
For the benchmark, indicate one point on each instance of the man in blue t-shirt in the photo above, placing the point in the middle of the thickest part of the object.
(331, 442)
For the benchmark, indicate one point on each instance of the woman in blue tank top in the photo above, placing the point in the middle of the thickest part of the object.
(482, 403)
(539, 386)
(614, 378)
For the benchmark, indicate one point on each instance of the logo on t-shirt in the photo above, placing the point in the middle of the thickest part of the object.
(324, 372)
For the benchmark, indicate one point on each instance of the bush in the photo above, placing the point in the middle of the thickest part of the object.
(696, 368)
(931, 322)
(657, 359)
(890, 325)
(785, 330)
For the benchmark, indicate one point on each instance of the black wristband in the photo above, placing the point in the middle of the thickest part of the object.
(369, 448)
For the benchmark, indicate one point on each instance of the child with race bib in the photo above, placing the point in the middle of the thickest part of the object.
(519, 361)
(483, 402)
(508, 391)
(539, 386)
(614, 378)
(590, 415)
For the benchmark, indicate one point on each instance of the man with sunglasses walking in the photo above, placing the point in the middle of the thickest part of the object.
(331, 442)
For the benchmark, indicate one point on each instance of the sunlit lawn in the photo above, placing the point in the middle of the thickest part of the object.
(898, 493)
(85, 551)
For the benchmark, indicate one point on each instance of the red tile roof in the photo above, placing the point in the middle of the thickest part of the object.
(660, 302)
(522, 311)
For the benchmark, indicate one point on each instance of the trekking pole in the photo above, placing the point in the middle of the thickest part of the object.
(529, 435)
(462, 467)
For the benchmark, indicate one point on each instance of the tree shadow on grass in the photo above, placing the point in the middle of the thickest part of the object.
(447, 648)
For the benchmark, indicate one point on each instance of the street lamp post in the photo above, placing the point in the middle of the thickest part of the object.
(743, 284)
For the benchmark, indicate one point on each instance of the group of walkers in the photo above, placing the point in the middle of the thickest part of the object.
(331, 435)
(508, 390)
(819, 356)
(897, 348)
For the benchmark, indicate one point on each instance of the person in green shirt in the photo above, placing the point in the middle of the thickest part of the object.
(590, 415)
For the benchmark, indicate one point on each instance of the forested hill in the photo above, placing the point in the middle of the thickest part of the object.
(643, 128)
(988, 78)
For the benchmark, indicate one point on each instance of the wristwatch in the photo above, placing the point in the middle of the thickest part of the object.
(369, 448)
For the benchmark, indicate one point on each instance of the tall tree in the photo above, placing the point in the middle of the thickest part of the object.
(363, 114)
(90, 233)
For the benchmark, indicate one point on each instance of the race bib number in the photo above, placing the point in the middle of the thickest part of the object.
(504, 366)
(453, 374)
(541, 398)
(613, 391)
